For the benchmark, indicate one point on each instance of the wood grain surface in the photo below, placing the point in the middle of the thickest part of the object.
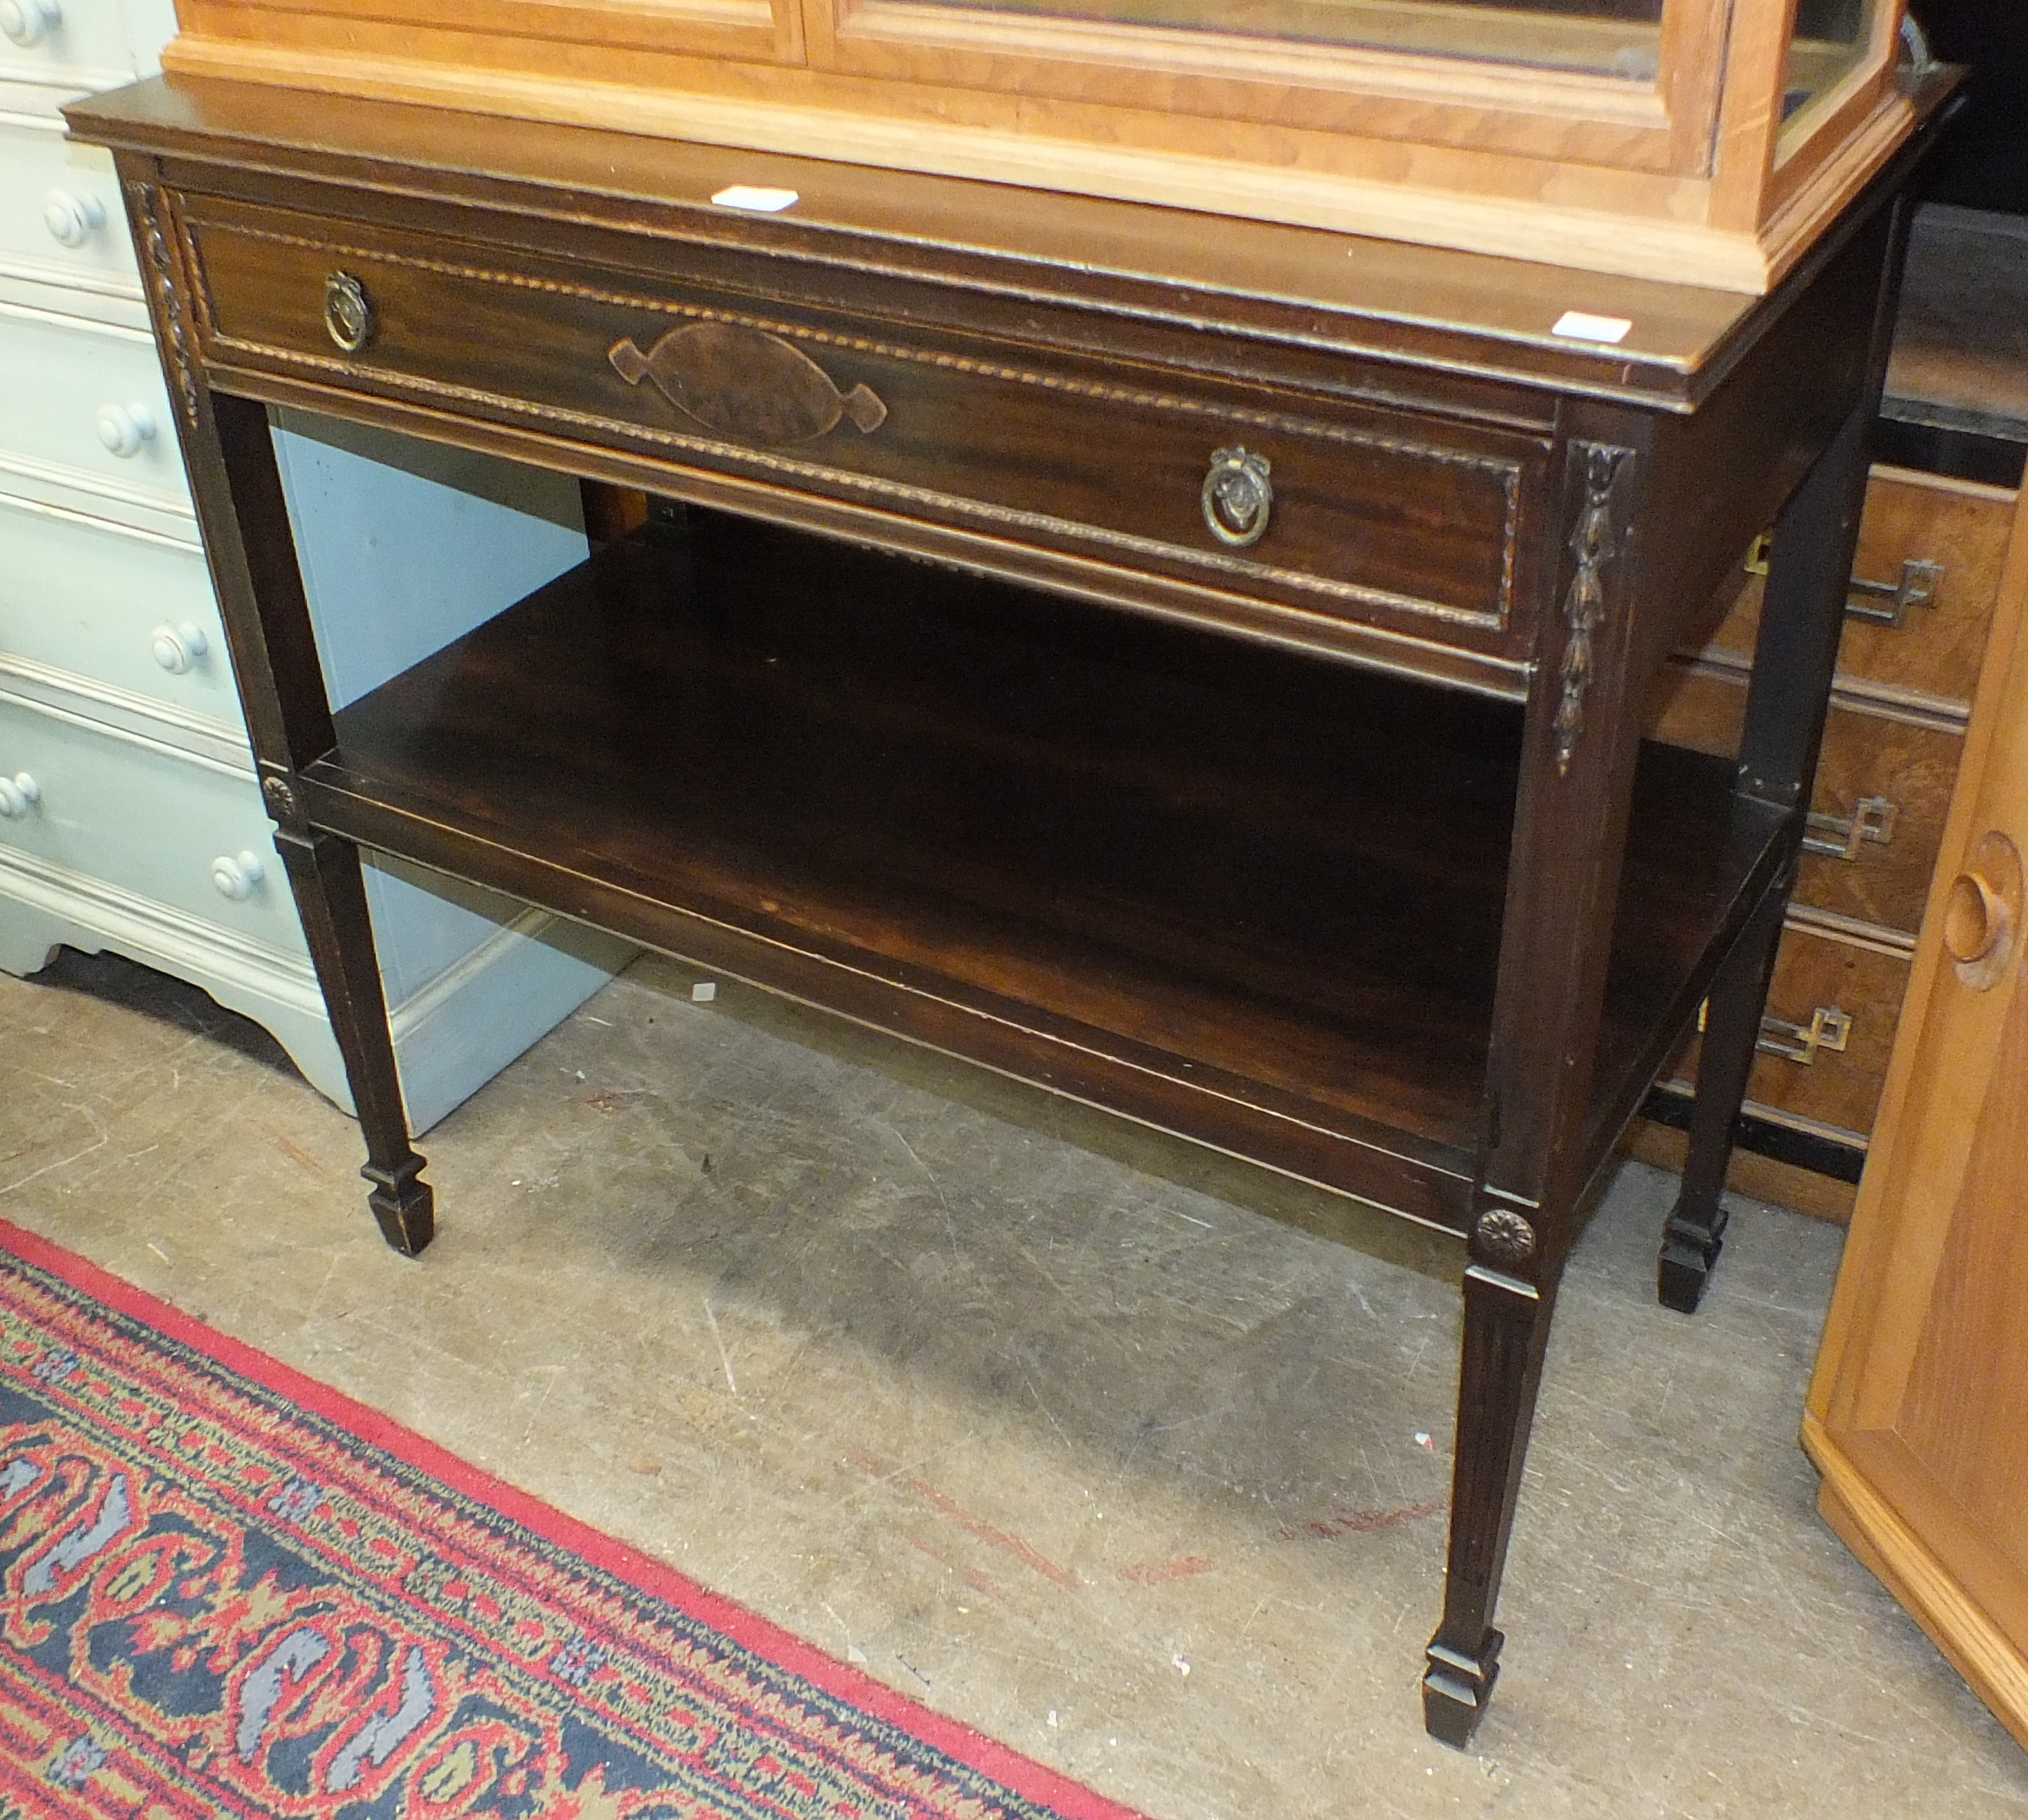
(1921, 1385)
(1932, 659)
(1414, 914)
(1377, 517)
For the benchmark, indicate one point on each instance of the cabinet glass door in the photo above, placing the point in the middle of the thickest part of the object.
(1830, 39)
(1617, 37)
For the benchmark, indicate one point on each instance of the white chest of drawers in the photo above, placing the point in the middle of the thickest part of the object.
(130, 819)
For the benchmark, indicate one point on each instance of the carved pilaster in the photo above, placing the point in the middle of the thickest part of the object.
(161, 272)
(1595, 541)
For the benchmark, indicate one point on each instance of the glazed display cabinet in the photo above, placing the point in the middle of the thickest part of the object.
(1705, 140)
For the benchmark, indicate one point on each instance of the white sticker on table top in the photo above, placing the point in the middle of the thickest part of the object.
(757, 197)
(1581, 325)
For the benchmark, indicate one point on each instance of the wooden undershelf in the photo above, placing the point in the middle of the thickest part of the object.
(1248, 895)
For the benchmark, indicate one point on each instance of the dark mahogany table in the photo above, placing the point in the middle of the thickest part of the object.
(1197, 665)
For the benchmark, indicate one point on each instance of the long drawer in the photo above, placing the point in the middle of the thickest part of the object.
(1925, 579)
(1828, 1032)
(110, 607)
(1882, 790)
(1319, 506)
(87, 421)
(151, 820)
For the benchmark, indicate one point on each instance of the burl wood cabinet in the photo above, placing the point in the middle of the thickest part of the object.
(1920, 1398)
(1704, 140)
(1198, 665)
(1926, 579)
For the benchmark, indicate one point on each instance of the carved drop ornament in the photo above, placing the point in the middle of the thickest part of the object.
(1595, 541)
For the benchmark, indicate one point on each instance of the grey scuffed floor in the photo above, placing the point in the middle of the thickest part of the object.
(1042, 1418)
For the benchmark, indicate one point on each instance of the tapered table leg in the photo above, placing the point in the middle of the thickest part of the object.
(1580, 744)
(1802, 619)
(330, 895)
(236, 485)
(1695, 1232)
(1506, 1330)
(1795, 661)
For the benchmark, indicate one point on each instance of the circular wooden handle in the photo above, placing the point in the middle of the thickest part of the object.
(1981, 913)
(177, 649)
(1977, 919)
(72, 219)
(18, 794)
(27, 23)
(125, 429)
(237, 876)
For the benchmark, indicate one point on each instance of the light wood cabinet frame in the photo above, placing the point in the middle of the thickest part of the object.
(1570, 115)
(549, 43)
(1691, 177)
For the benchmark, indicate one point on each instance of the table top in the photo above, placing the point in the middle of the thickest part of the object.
(1467, 312)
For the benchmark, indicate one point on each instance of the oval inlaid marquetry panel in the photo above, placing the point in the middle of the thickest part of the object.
(746, 383)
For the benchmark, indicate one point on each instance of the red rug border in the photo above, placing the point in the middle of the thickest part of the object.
(1022, 1775)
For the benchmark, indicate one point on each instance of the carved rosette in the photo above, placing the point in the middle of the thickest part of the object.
(1504, 1237)
(161, 276)
(1595, 541)
(281, 799)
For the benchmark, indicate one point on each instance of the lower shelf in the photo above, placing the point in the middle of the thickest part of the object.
(1247, 895)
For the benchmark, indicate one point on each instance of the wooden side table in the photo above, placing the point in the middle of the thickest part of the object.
(1197, 665)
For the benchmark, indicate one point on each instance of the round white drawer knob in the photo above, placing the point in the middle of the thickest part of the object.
(126, 429)
(72, 219)
(237, 875)
(29, 22)
(18, 794)
(177, 649)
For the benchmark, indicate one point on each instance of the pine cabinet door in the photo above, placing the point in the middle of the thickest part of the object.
(1920, 1402)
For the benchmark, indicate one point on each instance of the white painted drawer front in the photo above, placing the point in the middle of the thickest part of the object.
(109, 605)
(139, 816)
(60, 219)
(70, 390)
(84, 46)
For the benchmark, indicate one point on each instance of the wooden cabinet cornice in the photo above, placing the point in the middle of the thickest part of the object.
(1709, 141)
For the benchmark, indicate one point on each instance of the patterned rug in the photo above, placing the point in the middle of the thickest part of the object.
(228, 1591)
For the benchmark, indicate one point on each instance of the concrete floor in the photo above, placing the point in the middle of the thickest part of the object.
(1041, 1418)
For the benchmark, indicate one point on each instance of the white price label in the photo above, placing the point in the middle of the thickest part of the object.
(1578, 325)
(754, 196)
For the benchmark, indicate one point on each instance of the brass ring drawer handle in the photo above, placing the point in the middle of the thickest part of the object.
(1237, 497)
(348, 312)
